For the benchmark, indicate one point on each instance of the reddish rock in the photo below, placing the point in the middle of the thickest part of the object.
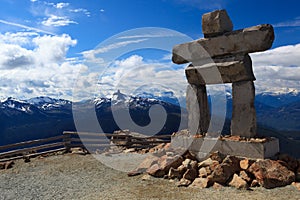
(214, 165)
(217, 186)
(155, 171)
(165, 162)
(167, 146)
(238, 182)
(190, 174)
(244, 175)
(289, 162)
(205, 163)
(245, 164)
(271, 174)
(184, 183)
(208, 170)
(254, 183)
(225, 170)
(202, 172)
(176, 173)
(200, 183)
(145, 164)
(189, 155)
(217, 156)
(296, 185)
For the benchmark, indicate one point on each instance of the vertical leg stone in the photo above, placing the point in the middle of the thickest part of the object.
(198, 109)
(243, 121)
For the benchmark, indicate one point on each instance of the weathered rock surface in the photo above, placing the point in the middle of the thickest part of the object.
(248, 40)
(200, 183)
(246, 163)
(243, 122)
(271, 174)
(147, 163)
(244, 175)
(184, 183)
(176, 173)
(198, 109)
(216, 23)
(202, 172)
(290, 162)
(190, 174)
(225, 170)
(296, 185)
(155, 171)
(238, 182)
(223, 70)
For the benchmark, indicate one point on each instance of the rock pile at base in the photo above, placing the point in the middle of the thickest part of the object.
(219, 170)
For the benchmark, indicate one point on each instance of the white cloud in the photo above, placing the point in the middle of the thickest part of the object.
(54, 20)
(277, 69)
(25, 27)
(133, 74)
(41, 70)
(61, 5)
(93, 55)
(291, 23)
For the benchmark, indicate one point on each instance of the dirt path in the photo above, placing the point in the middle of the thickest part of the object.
(74, 176)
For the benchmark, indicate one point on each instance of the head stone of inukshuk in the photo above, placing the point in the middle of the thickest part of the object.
(222, 56)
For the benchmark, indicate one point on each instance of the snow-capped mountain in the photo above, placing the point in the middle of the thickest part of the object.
(47, 103)
(45, 117)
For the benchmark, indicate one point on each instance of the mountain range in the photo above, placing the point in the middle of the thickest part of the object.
(277, 115)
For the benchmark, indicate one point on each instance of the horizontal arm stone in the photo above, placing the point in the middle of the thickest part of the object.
(248, 40)
(227, 70)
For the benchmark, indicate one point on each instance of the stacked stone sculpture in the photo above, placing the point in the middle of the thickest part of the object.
(222, 56)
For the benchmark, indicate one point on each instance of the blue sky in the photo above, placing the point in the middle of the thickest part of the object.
(44, 44)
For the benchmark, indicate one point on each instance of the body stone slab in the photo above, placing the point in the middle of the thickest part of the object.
(243, 122)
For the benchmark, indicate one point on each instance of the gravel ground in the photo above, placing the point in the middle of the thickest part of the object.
(73, 176)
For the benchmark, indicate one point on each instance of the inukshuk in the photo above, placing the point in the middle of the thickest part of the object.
(227, 51)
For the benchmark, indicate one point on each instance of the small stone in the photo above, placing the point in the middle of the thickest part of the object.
(254, 183)
(217, 186)
(245, 164)
(146, 177)
(214, 165)
(155, 171)
(190, 174)
(166, 162)
(184, 183)
(238, 182)
(217, 156)
(202, 172)
(176, 173)
(205, 163)
(271, 174)
(200, 183)
(208, 170)
(245, 176)
(225, 170)
(145, 164)
(296, 185)
(189, 155)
